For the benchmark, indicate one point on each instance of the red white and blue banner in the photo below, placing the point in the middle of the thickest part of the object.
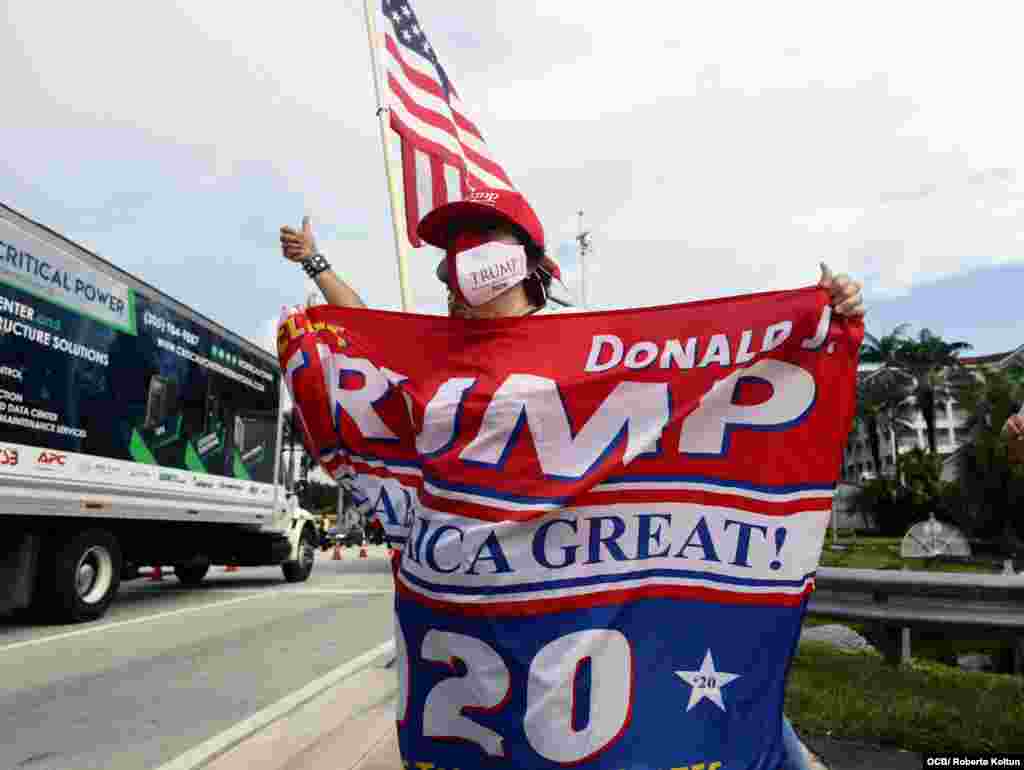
(610, 521)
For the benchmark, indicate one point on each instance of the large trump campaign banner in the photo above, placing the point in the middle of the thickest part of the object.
(610, 522)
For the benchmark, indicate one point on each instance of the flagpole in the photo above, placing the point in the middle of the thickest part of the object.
(396, 197)
(312, 293)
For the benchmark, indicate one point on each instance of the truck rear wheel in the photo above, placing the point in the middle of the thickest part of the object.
(192, 573)
(299, 571)
(84, 576)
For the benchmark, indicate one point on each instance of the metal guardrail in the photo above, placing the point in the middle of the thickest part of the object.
(901, 600)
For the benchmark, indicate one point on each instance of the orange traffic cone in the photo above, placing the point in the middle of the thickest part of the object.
(337, 553)
(157, 573)
(362, 553)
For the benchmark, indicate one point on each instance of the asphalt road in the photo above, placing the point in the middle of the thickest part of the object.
(168, 668)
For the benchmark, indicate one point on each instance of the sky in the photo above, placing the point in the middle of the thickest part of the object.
(716, 149)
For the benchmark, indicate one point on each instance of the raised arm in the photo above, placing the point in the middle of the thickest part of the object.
(300, 246)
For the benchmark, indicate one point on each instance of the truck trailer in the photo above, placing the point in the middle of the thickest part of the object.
(133, 431)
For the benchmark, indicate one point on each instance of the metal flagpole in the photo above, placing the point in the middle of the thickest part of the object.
(312, 293)
(396, 197)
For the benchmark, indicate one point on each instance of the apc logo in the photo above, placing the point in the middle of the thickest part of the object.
(484, 197)
(51, 459)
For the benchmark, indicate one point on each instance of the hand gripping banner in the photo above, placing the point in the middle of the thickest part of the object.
(610, 522)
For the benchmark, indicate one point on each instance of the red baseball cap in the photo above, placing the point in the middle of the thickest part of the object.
(482, 205)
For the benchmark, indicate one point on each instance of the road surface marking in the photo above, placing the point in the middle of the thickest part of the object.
(228, 739)
(132, 622)
(170, 614)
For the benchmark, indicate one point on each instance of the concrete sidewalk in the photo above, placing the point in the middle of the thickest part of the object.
(349, 727)
(352, 727)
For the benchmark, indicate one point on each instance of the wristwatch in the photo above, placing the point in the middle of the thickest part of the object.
(315, 264)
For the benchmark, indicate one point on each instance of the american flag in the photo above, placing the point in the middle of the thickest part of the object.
(444, 155)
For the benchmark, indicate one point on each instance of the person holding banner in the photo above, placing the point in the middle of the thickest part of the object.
(495, 267)
(496, 252)
(510, 295)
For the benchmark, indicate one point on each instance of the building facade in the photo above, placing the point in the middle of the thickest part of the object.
(910, 431)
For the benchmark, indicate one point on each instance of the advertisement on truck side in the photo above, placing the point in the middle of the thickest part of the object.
(91, 367)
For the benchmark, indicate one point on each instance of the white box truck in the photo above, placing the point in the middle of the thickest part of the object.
(133, 431)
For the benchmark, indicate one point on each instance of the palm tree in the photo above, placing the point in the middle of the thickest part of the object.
(879, 395)
(884, 350)
(929, 359)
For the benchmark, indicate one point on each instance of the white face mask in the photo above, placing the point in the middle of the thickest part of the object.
(484, 272)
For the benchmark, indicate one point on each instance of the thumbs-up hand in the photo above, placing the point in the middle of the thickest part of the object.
(845, 293)
(297, 245)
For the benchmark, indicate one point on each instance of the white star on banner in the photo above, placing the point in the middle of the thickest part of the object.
(415, 30)
(706, 683)
(407, 12)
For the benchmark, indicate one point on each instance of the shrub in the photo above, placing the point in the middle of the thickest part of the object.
(917, 491)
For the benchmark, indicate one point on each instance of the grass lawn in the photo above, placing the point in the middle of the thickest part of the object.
(868, 552)
(921, 707)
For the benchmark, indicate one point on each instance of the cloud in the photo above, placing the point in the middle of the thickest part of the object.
(714, 149)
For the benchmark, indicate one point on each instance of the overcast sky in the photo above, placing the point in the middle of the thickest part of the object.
(716, 148)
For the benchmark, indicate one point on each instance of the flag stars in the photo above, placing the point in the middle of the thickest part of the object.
(416, 30)
(706, 683)
(406, 34)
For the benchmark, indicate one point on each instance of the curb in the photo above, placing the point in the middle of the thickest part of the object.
(219, 745)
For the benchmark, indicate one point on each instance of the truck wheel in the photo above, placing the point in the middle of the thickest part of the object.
(299, 571)
(84, 576)
(191, 574)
